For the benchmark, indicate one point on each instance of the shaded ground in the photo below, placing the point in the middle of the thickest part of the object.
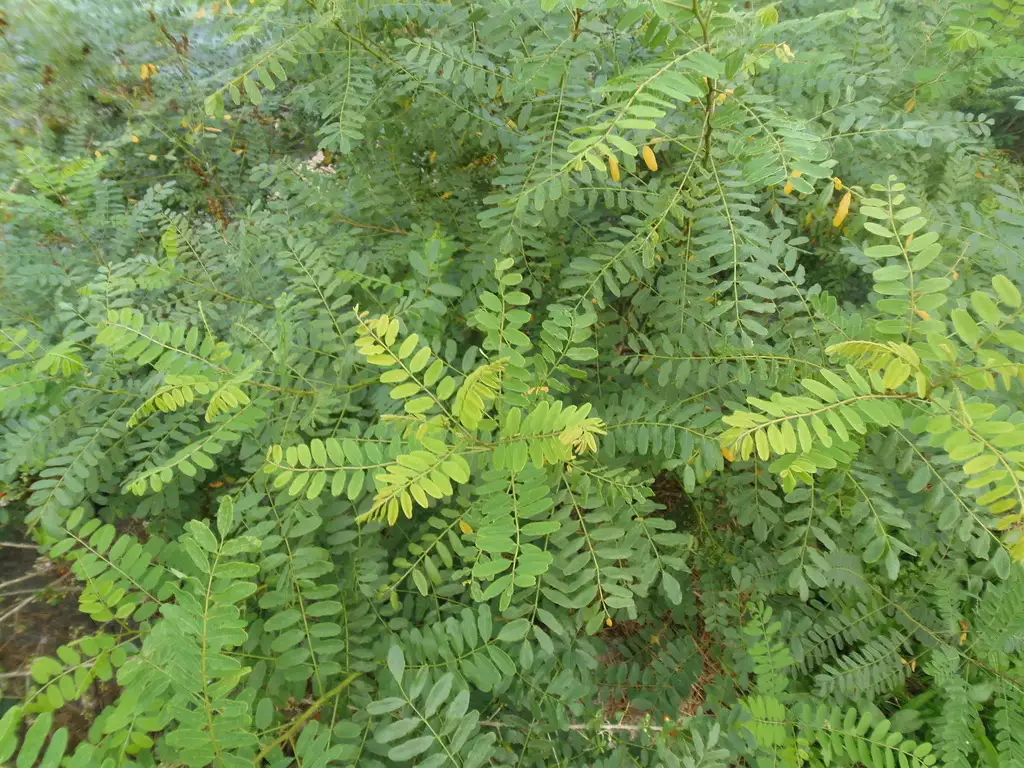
(642, 638)
(38, 613)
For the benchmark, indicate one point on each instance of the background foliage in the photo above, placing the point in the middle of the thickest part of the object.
(601, 382)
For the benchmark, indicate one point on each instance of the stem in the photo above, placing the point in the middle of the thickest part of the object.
(32, 591)
(577, 18)
(26, 577)
(605, 727)
(17, 608)
(385, 230)
(301, 719)
(709, 97)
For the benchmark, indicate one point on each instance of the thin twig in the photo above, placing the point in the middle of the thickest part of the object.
(28, 600)
(33, 590)
(26, 577)
(606, 727)
(9, 675)
(17, 608)
(385, 230)
(305, 716)
(16, 545)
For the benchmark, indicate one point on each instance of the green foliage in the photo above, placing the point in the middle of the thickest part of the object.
(542, 383)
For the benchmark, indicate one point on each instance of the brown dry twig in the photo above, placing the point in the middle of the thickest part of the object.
(30, 599)
(26, 577)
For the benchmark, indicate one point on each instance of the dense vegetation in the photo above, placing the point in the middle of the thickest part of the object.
(518, 382)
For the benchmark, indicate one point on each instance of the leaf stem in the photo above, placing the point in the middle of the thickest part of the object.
(301, 719)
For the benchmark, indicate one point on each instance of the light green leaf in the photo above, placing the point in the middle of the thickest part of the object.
(411, 749)
(396, 662)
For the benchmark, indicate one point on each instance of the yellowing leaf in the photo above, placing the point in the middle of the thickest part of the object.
(922, 314)
(649, 158)
(613, 168)
(788, 188)
(728, 454)
(843, 210)
(465, 527)
(910, 104)
(797, 174)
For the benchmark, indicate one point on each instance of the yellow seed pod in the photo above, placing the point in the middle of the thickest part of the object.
(649, 158)
(843, 210)
(613, 168)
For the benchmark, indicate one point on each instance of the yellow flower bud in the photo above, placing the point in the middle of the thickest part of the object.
(842, 210)
(613, 168)
(650, 160)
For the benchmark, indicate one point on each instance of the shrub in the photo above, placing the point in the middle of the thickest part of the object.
(542, 383)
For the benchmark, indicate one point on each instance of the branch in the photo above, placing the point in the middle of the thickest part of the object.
(301, 719)
(17, 608)
(27, 576)
(604, 727)
(11, 675)
(29, 599)
(385, 230)
(709, 97)
(33, 590)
